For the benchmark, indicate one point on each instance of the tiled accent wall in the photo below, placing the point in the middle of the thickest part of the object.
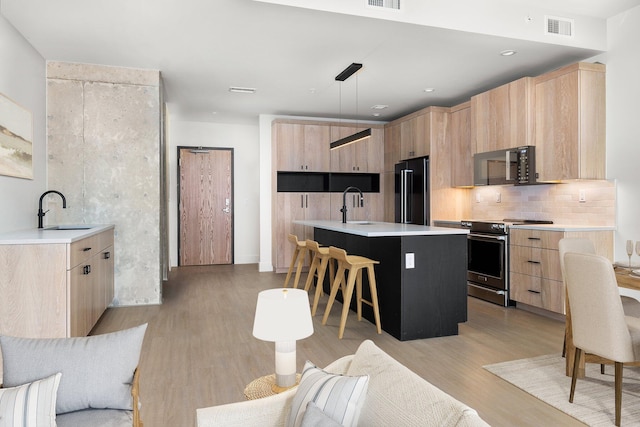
(557, 202)
(104, 145)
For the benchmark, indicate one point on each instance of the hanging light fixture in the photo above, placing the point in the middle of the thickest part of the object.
(358, 136)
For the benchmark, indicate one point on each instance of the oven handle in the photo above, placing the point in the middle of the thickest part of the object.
(495, 291)
(485, 237)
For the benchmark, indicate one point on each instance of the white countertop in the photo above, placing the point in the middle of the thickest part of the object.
(563, 227)
(381, 229)
(38, 236)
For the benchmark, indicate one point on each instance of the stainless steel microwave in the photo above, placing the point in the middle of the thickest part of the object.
(511, 166)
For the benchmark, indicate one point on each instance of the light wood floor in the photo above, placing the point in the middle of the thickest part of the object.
(199, 351)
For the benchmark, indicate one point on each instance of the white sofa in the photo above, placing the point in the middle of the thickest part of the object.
(396, 396)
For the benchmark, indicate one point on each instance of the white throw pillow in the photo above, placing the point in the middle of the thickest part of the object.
(97, 371)
(30, 405)
(338, 396)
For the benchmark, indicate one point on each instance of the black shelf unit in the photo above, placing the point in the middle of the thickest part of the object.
(325, 182)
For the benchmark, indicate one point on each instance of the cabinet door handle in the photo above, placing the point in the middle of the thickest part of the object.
(532, 291)
(533, 262)
(86, 249)
(302, 201)
(107, 255)
(533, 238)
(86, 269)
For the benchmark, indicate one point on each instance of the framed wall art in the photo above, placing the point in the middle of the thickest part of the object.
(16, 139)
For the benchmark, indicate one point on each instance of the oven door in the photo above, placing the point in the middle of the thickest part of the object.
(487, 261)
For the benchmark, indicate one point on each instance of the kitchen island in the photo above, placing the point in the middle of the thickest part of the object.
(421, 278)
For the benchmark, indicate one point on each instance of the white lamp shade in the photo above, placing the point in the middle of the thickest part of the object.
(282, 315)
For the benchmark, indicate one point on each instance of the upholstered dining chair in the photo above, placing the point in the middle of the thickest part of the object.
(631, 306)
(599, 324)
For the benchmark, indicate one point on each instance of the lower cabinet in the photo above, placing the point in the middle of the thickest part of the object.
(55, 290)
(535, 274)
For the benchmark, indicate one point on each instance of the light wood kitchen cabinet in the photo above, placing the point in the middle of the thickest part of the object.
(292, 207)
(301, 146)
(535, 275)
(414, 135)
(503, 117)
(56, 290)
(391, 147)
(570, 123)
(461, 149)
(362, 156)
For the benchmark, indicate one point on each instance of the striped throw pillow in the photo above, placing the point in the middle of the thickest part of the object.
(340, 397)
(30, 405)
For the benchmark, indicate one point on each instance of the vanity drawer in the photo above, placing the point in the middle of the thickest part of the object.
(82, 250)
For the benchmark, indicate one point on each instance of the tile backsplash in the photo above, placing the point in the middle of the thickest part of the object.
(557, 202)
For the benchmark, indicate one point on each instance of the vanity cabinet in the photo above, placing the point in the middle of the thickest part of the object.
(570, 123)
(55, 290)
(503, 117)
(535, 274)
(301, 146)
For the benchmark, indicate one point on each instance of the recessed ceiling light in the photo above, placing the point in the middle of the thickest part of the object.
(508, 52)
(376, 114)
(242, 89)
(379, 107)
(429, 90)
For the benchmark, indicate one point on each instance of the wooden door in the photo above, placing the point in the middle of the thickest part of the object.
(206, 206)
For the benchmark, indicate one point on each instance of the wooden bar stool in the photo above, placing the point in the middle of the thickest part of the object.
(321, 259)
(299, 253)
(354, 264)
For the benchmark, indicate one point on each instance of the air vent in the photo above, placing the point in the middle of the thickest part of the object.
(387, 4)
(558, 26)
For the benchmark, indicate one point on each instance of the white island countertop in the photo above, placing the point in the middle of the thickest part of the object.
(47, 235)
(381, 229)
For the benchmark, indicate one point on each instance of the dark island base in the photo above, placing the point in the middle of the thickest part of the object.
(423, 302)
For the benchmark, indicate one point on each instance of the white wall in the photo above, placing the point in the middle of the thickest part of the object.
(623, 126)
(22, 79)
(244, 139)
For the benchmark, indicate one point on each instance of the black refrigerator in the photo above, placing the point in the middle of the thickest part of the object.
(412, 191)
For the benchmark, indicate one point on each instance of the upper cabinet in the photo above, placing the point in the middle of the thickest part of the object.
(503, 117)
(301, 147)
(362, 156)
(391, 147)
(414, 136)
(462, 151)
(570, 123)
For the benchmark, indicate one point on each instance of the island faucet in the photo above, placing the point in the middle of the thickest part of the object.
(344, 201)
(41, 214)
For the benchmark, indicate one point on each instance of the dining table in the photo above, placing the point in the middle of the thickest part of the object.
(626, 279)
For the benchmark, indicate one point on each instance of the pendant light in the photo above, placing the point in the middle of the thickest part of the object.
(358, 136)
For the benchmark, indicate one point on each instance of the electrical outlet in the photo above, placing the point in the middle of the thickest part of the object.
(409, 260)
(498, 197)
(582, 196)
(478, 197)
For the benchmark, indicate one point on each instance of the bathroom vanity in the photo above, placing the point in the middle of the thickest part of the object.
(55, 282)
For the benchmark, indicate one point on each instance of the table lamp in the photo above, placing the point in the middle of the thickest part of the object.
(283, 316)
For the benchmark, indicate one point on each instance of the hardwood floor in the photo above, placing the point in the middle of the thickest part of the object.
(199, 350)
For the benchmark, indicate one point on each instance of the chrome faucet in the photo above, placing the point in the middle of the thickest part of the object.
(344, 202)
(41, 214)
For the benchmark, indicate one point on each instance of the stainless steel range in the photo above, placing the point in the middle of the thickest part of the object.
(488, 259)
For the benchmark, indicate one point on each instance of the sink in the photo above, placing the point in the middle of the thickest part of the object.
(69, 227)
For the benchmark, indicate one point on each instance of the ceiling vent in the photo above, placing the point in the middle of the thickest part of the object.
(558, 26)
(387, 4)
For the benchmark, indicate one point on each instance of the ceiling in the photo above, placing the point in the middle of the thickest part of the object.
(290, 55)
